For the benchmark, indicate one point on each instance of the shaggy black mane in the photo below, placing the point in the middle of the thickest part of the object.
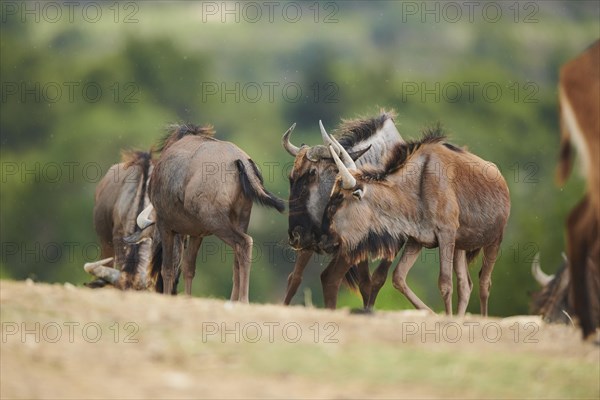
(354, 131)
(177, 131)
(400, 154)
(377, 246)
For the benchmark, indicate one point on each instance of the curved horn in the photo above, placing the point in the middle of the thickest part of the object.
(330, 140)
(327, 139)
(285, 142)
(97, 269)
(355, 155)
(142, 220)
(348, 181)
(539, 275)
(137, 237)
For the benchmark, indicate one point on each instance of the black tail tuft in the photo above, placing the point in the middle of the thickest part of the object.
(471, 255)
(351, 279)
(156, 266)
(252, 186)
(155, 269)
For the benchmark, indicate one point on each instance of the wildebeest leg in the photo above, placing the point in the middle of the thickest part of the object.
(463, 280)
(331, 278)
(235, 280)
(409, 256)
(189, 262)
(168, 263)
(446, 262)
(582, 247)
(295, 277)
(364, 282)
(377, 281)
(242, 247)
(485, 275)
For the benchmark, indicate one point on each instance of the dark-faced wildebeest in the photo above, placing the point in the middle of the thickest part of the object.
(579, 98)
(120, 196)
(552, 301)
(428, 194)
(366, 140)
(202, 186)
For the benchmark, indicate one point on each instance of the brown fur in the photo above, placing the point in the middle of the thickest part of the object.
(120, 196)
(579, 95)
(552, 301)
(429, 195)
(202, 186)
(311, 181)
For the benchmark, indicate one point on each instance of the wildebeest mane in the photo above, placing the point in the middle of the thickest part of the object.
(136, 157)
(402, 152)
(377, 245)
(177, 131)
(142, 160)
(353, 131)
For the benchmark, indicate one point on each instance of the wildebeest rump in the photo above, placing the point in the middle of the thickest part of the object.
(203, 186)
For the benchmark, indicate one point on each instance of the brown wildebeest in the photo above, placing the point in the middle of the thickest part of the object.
(366, 140)
(428, 194)
(202, 186)
(120, 196)
(552, 301)
(579, 97)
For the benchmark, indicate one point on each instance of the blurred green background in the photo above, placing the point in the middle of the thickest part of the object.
(82, 81)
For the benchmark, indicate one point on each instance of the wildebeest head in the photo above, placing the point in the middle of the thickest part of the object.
(364, 201)
(311, 180)
(366, 141)
(552, 301)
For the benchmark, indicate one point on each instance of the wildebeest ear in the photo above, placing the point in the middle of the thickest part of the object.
(358, 193)
(355, 155)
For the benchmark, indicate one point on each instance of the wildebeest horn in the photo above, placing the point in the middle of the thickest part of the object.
(285, 141)
(142, 220)
(97, 269)
(330, 140)
(326, 139)
(539, 275)
(348, 181)
(137, 237)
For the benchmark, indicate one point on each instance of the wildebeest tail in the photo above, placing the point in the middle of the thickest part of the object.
(155, 269)
(351, 278)
(253, 186)
(471, 255)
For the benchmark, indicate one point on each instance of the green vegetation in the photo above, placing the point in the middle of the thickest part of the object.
(74, 93)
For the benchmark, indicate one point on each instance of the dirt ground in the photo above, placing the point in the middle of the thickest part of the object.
(60, 341)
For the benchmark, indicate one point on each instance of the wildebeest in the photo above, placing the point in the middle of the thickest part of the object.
(120, 196)
(552, 301)
(202, 186)
(429, 193)
(579, 98)
(366, 140)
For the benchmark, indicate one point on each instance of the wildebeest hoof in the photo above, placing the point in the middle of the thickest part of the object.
(362, 311)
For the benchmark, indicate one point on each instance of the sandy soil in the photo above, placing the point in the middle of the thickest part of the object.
(59, 341)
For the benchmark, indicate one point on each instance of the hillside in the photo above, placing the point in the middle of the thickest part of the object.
(61, 341)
